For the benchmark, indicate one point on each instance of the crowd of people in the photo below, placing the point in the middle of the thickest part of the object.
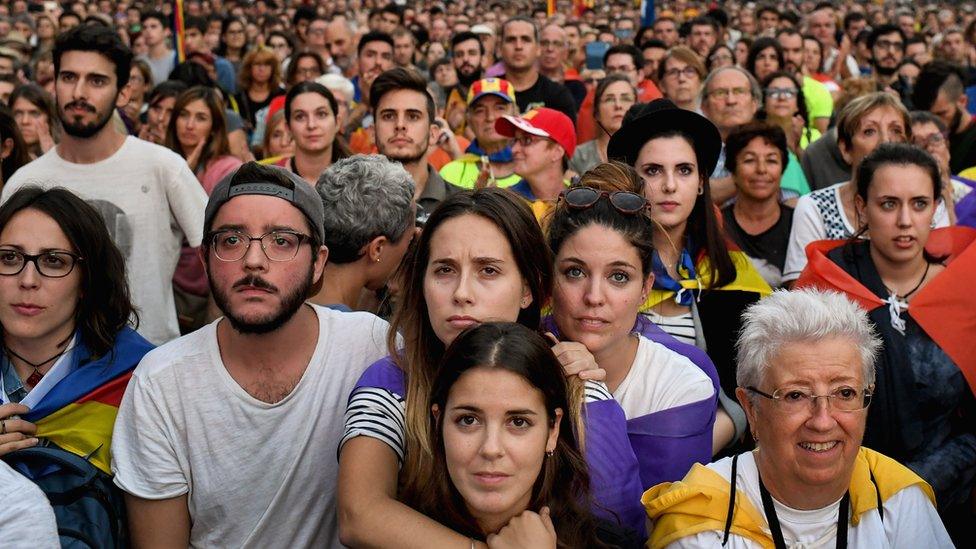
(574, 274)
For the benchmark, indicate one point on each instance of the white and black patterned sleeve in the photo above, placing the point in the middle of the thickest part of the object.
(596, 391)
(376, 413)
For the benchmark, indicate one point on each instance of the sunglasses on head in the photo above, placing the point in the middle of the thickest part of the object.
(581, 198)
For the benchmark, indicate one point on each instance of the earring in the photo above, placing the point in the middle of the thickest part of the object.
(701, 190)
(549, 453)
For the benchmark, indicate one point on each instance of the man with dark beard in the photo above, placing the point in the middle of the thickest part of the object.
(467, 54)
(403, 120)
(887, 45)
(939, 90)
(228, 435)
(150, 198)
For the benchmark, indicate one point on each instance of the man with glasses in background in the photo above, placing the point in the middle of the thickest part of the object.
(887, 45)
(247, 385)
(730, 98)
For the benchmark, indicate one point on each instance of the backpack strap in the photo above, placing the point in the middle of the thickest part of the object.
(878, 492)
(731, 512)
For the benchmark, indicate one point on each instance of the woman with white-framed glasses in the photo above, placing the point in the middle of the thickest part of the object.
(805, 378)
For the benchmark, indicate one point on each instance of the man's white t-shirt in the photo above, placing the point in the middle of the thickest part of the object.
(910, 519)
(660, 379)
(150, 201)
(256, 474)
(26, 517)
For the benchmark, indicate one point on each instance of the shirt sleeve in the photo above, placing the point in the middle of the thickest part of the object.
(376, 413)
(187, 201)
(807, 227)
(914, 521)
(144, 458)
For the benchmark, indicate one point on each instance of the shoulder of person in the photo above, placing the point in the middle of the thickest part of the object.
(190, 348)
(358, 328)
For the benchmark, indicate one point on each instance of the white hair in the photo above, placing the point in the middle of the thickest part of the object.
(806, 315)
(338, 83)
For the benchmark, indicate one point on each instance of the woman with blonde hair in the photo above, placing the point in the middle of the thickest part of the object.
(259, 82)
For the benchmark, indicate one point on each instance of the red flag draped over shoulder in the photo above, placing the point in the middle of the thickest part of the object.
(945, 308)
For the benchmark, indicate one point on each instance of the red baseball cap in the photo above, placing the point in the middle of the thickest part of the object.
(543, 122)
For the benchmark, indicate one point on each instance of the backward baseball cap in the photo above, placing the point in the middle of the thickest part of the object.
(255, 178)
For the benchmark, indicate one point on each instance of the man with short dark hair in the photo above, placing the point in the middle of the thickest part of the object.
(404, 130)
(147, 194)
(704, 35)
(819, 102)
(769, 18)
(939, 90)
(666, 30)
(156, 33)
(520, 52)
(653, 51)
(374, 56)
(194, 31)
(228, 436)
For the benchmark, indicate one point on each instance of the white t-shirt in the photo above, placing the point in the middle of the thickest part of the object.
(820, 216)
(150, 201)
(26, 518)
(257, 474)
(910, 520)
(660, 379)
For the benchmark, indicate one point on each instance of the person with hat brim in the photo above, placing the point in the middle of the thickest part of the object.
(701, 284)
(543, 141)
(247, 385)
(489, 155)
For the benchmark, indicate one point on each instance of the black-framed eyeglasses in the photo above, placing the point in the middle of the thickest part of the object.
(581, 198)
(797, 400)
(50, 264)
(231, 245)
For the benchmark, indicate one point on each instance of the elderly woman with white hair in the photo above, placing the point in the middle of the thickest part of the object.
(805, 378)
(369, 223)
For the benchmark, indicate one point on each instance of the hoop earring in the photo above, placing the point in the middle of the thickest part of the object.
(701, 190)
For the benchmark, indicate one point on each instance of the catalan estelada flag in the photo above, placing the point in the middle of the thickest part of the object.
(78, 413)
(747, 279)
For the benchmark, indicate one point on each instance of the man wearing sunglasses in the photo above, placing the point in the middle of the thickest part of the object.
(228, 436)
(543, 141)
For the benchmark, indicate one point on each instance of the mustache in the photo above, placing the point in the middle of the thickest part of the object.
(256, 282)
(80, 105)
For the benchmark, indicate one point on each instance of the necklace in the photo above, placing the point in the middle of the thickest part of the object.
(913, 290)
(35, 378)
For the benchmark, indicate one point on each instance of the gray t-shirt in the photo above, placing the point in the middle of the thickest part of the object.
(160, 67)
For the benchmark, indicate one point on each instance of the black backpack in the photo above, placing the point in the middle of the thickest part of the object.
(88, 507)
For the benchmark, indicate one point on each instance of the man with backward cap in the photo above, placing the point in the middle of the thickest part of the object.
(228, 436)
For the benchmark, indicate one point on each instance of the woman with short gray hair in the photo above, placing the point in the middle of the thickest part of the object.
(805, 379)
(369, 223)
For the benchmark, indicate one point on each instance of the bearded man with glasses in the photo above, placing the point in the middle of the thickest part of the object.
(228, 436)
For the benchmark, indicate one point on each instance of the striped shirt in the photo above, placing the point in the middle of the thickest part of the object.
(681, 327)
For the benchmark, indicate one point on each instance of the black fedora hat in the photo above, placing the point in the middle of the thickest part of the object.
(647, 120)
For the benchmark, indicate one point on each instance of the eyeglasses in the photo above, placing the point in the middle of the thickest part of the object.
(934, 140)
(688, 72)
(582, 198)
(781, 93)
(621, 100)
(277, 245)
(725, 93)
(889, 45)
(720, 57)
(528, 140)
(48, 264)
(797, 401)
(546, 44)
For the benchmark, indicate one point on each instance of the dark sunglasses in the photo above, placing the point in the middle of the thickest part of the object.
(581, 198)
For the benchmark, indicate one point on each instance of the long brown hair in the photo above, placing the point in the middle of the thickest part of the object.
(563, 481)
(422, 350)
(254, 57)
(218, 143)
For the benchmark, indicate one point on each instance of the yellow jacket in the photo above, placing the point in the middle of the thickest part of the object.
(700, 502)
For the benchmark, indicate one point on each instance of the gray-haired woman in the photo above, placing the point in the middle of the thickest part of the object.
(369, 223)
(806, 373)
